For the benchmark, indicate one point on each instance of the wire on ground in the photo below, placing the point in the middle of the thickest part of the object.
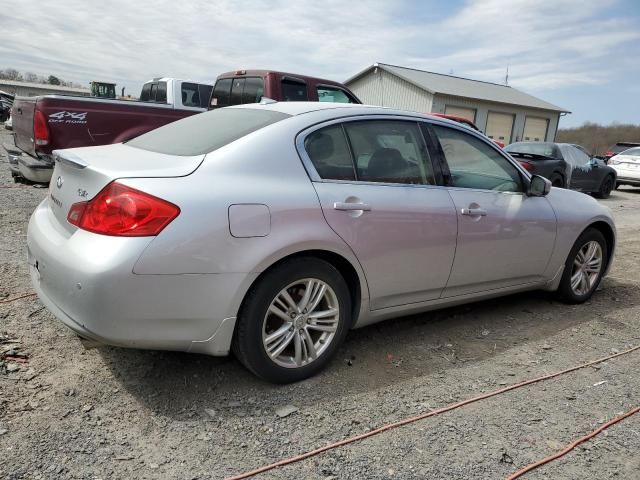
(26, 295)
(389, 426)
(571, 446)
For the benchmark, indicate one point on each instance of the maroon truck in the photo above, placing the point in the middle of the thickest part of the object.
(51, 122)
(250, 86)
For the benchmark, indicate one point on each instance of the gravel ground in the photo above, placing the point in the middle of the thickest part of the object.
(69, 412)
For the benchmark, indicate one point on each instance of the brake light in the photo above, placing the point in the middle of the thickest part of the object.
(122, 211)
(527, 166)
(40, 129)
(609, 154)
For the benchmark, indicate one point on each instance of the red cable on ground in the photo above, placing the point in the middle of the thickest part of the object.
(26, 295)
(422, 416)
(571, 446)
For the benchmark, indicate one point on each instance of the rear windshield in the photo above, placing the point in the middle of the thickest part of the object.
(205, 132)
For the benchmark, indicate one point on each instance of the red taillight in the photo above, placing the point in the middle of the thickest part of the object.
(123, 211)
(609, 154)
(40, 129)
(527, 166)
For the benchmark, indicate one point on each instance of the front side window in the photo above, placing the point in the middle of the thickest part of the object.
(253, 90)
(221, 93)
(294, 91)
(474, 164)
(335, 95)
(205, 94)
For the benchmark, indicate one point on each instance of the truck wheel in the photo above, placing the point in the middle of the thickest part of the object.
(293, 320)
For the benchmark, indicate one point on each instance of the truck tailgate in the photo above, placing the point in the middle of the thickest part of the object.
(22, 118)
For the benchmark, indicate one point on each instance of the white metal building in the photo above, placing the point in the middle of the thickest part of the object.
(28, 89)
(501, 112)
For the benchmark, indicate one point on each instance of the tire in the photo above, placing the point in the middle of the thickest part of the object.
(557, 180)
(570, 293)
(257, 321)
(607, 185)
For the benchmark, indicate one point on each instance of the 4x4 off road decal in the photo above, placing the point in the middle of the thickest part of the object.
(68, 117)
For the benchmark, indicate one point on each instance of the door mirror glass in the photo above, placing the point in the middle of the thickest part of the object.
(539, 186)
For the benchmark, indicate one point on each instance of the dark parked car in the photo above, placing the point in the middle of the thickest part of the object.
(565, 166)
(618, 148)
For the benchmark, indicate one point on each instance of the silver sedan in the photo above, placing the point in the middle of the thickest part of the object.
(270, 230)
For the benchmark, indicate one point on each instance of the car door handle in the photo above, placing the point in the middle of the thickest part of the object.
(351, 206)
(474, 212)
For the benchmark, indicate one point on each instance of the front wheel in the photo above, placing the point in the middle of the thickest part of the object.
(293, 320)
(584, 267)
(557, 180)
(606, 187)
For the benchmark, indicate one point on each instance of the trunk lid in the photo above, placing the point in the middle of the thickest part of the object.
(22, 117)
(80, 173)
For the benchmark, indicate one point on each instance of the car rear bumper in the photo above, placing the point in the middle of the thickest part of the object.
(87, 281)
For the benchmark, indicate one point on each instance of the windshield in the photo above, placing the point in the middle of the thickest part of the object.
(206, 132)
(533, 148)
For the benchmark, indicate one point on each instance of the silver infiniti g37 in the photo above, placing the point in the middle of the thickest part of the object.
(272, 229)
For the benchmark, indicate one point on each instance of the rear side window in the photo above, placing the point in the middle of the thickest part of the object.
(294, 91)
(221, 93)
(336, 95)
(190, 94)
(204, 133)
(390, 151)
(329, 152)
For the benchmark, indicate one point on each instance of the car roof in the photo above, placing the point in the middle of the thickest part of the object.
(340, 109)
(263, 73)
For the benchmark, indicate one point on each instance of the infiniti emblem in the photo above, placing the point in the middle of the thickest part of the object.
(59, 182)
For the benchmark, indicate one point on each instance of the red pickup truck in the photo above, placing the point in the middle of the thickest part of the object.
(250, 86)
(51, 122)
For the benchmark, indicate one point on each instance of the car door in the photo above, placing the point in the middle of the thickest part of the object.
(584, 174)
(376, 185)
(505, 238)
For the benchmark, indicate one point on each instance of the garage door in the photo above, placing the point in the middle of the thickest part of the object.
(500, 126)
(535, 129)
(468, 113)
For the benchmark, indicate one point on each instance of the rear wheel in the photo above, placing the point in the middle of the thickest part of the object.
(606, 187)
(293, 320)
(557, 180)
(584, 267)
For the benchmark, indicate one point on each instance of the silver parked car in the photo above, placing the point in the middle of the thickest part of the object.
(272, 229)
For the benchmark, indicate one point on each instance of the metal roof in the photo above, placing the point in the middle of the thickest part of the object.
(438, 83)
(44, 86)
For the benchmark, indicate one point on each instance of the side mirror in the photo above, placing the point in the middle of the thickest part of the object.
(539, 186)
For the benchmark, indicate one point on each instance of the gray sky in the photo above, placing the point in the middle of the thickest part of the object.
(579, 54)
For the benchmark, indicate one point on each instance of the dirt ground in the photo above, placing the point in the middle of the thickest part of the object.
(105, 413)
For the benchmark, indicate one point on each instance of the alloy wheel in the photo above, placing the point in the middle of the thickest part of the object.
(300, 323)
(586, 268)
